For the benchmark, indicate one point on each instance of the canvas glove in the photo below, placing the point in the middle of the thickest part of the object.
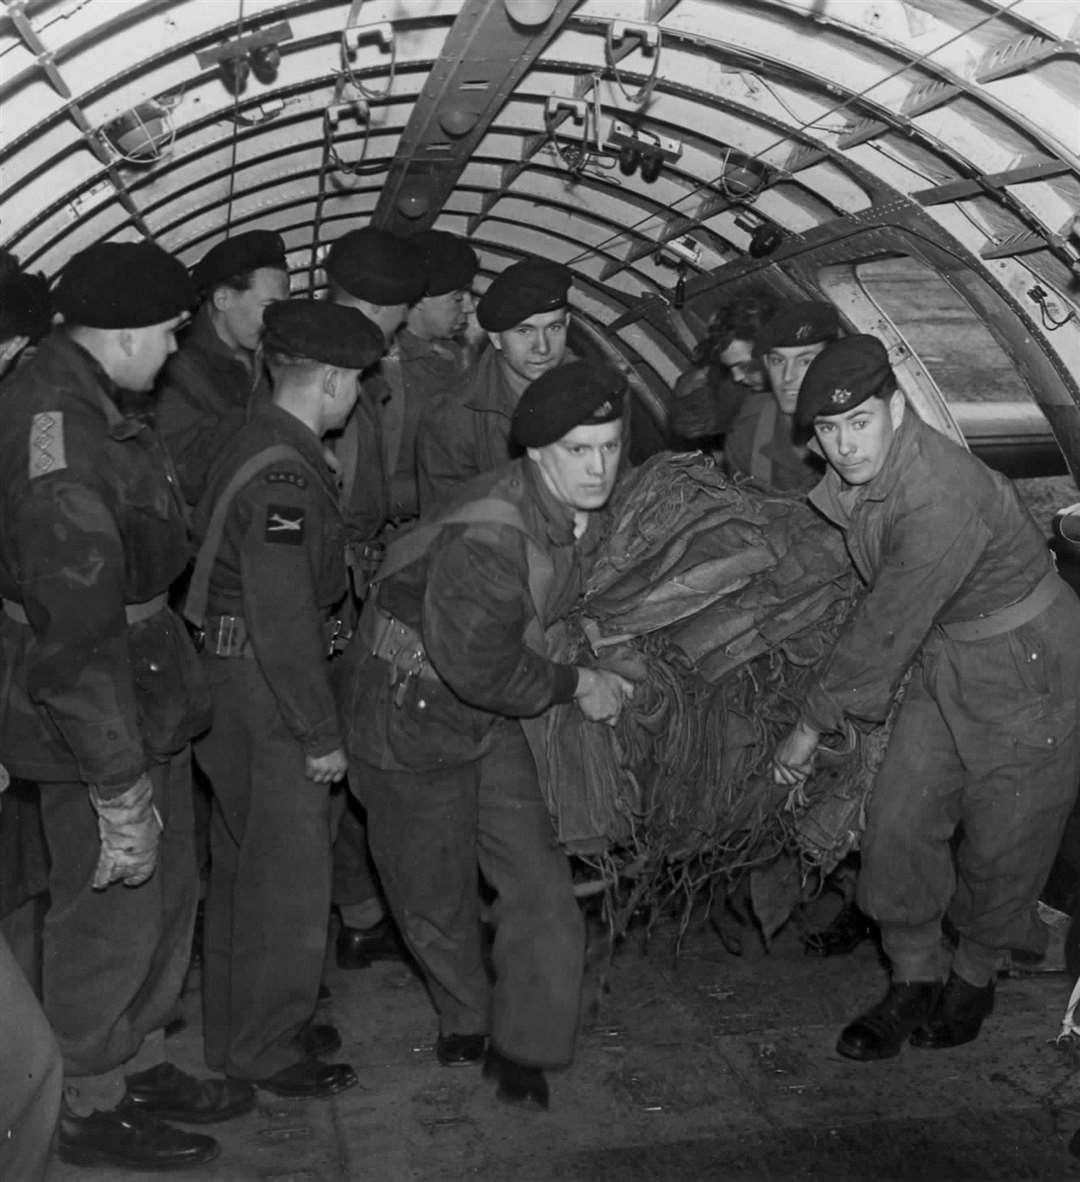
(130, 829)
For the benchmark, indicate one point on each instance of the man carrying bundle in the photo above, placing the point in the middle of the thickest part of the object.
(961, 590)
(448, 660)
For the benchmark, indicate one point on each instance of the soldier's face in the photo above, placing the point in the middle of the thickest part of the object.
(144, 352)
(786, 367)
(580, 469)
(441, 317)
(535, 345)
(241, 312)
(743, 366)
(857, 443)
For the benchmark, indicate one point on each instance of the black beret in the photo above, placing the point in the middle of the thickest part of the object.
(807, 323)
(568, 396)
(378, 266)
(25, 306)
(330, 333)
(123, 285)
(842, 376)
(523, 290)
(451, 262)
(233, 256)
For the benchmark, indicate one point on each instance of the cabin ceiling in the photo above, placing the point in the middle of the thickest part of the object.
(751, 132)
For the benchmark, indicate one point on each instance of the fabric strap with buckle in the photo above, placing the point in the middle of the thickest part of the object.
(135, 612)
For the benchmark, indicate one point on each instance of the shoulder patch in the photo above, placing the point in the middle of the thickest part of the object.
(284, 524)
(47, 443)
(293, 478)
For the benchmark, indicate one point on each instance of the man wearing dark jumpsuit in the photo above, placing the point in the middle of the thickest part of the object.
(105, 695)
(449, 658)
(526, 315)
(985, 749)
(210, 383)
(268, 586)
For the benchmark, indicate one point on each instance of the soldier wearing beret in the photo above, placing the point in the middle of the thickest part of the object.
(30, 1097)
(105, 694)
(526, 315)
(268, 591)
(382, 275)
(430, 358)
(448, 659)
(708, 396)
(758, 438)
(208, 386)
(981, 768)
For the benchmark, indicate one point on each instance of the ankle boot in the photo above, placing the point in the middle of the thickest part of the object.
(842, 935)
(958, 1016)
(884, 1028)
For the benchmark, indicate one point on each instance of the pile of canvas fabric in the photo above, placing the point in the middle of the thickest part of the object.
(719, 600)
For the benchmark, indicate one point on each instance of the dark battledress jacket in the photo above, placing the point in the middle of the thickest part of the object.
(467, 594)
(206, 393)
(465, 432)
(91, 520)
(421, 372)
(938, 537)
(280, 569)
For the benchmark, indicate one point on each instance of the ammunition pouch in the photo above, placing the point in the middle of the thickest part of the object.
(402, 648)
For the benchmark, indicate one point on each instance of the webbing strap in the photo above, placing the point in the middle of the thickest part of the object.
(406, 549)
(199, 587)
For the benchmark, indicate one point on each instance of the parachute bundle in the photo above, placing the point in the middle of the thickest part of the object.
(718, 600)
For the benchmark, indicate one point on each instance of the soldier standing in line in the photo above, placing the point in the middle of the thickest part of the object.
(759, 440)
(105, 695)
(429, 357)
(269, 581)
(448, 659)
(526, 315)
(380, 275)
(208, 386)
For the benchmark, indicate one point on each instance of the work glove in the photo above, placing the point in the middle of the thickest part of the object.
(130, 829)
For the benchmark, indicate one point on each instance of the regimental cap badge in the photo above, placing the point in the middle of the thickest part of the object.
(840, 396)
(803, 331)
(603, 410)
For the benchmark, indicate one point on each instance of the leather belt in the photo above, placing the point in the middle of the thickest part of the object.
(227, 636)
(1015, 615)
(135, 612)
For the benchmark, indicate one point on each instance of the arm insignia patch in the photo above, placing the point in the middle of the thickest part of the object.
(47, 444)
(284, 525)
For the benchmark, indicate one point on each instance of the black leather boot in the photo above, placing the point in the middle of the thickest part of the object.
(884, 1028)
(357, 948)
(844, 934)
(126, 1138)
(958, 1016)
(518, 1083)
